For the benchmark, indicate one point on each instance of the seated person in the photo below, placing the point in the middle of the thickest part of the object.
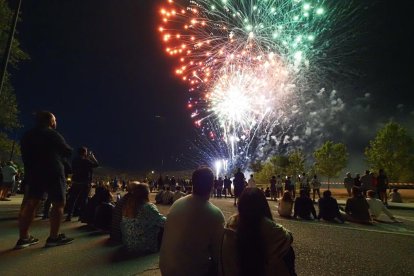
(158, 196)
(102, 191)
(395, 196)
(178, 194)
(304, 206)
(254, 244)
(103, 212)
(167, 196)
(115, 232)
(267, 192)
(357, 208)
(328, 208)
(376, 207)
(285, 205)
(142, 224)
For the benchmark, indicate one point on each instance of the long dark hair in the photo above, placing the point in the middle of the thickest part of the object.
(253, 208)
(139, 194)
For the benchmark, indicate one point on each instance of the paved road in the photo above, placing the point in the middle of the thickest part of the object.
(321, 248)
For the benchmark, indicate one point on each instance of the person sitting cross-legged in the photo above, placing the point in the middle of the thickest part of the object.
(376, 207)
(142, 224)
(357, 208)
(304, 206)
(328, 208)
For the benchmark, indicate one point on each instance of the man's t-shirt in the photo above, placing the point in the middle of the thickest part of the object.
(192, 236)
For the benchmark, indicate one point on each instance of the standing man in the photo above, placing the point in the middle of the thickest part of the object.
(366, 182)
(382, 186)
(348, 183)
(9, 173)
(227, 187)
(193, 231)
(82, 171)
(304, 183)
(44, 152)
(238, 183)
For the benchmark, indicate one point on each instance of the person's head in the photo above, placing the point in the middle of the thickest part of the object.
(367, 172)
(83, 151)
(357, 176)
(178, 188)
(253, 204)
(348, 174)
(303, 193)
(238, 170)
(278, 176)
(303, 173)
(288, 177)
(139, 191)
(251, 176)
(45, 119)
(287, 196)
(381, 172)
(356, 191)
(273, 177)
(395, 190)
(371, 193)
(315, 176)
(202, 179)
(225, 177)
(327, 193)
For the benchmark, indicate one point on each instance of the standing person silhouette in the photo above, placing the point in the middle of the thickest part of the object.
(44, 153)
(238, 183)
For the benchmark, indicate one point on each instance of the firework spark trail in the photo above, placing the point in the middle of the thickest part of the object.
(248, 64)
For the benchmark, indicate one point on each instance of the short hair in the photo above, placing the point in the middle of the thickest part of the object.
(327, 193)
(356, 191)
(395, 190)
(82, 150)
(202, 179)
(371, 193)
(43, 118)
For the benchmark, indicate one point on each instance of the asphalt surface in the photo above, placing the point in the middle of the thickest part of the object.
(321, 248)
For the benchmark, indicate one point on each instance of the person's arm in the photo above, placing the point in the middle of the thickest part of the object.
(60, 144)
(93, 161)
(158, 218)
(347, 207)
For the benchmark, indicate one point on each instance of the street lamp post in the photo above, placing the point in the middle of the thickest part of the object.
(9, 45)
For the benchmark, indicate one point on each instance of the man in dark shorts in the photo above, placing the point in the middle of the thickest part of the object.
(238, 183)
(82, 171)
(44, 153)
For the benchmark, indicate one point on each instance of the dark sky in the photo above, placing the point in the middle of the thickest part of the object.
(99, 66)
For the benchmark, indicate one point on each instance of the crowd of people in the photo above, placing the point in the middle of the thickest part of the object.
(194, 238)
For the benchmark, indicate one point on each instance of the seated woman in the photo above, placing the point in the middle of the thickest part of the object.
(142, 224)
(285, 205)
(329, 209)
(253, 243)
(103, 212)
(357, 208)
(304, 206)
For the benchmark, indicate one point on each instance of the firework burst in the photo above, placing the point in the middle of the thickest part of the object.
(247, 62)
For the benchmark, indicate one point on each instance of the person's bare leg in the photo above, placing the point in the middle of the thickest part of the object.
(56, 215)
(26, 217)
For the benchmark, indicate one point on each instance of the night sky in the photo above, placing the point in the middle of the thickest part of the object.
(99, 66)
